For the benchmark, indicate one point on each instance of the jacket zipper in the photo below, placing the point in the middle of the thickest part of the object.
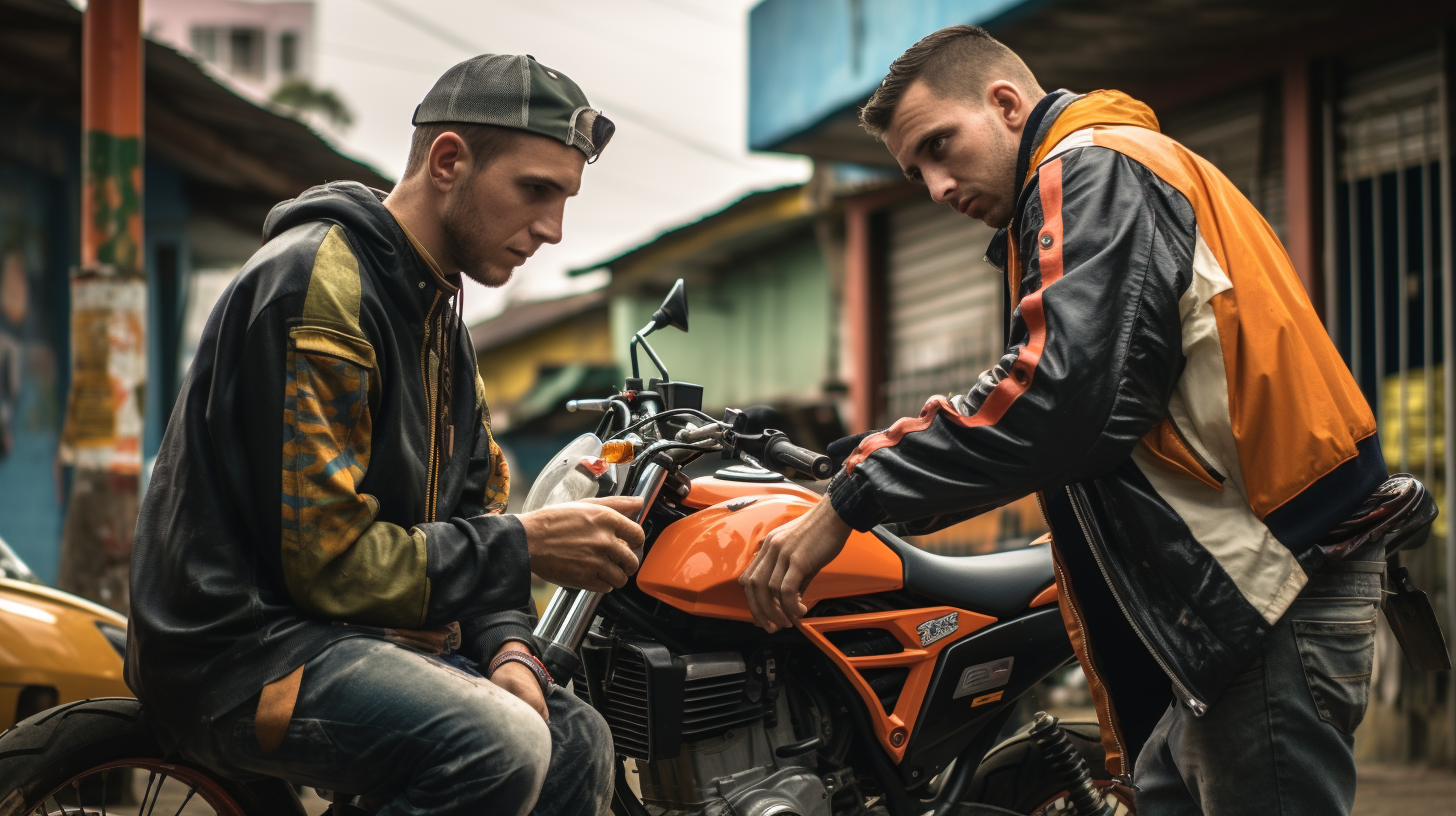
(1197, 457)
(1066, 594)
(1198, 707)
(430, 396)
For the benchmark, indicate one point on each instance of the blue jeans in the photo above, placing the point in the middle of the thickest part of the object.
(1281, 738)
(422, 736)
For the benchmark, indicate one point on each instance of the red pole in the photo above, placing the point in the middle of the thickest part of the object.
(102, 436)
(859, 317)
(1300, 202)
(111, 125)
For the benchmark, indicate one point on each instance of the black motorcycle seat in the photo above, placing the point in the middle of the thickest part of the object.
(999, 584)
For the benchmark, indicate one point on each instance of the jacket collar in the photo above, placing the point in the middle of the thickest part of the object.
(1037, 125)
(1055, 117)
(439, 276)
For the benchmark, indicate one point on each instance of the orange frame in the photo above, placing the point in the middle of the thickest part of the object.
(894, 729)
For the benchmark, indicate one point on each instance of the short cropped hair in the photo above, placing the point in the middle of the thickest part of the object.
(485, 142)
(956, 62)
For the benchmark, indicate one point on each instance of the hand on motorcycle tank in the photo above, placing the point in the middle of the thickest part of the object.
(586, 544)
(789, 558)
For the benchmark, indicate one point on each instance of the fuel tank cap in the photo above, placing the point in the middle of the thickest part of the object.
(744, 473)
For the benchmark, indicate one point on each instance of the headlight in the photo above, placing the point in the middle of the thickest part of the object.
(115, 635)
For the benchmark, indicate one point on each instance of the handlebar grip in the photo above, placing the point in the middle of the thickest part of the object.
(780, 452)
(598, 405)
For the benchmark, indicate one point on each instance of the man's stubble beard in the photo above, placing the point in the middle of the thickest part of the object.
(1007, 146)
(460, 223)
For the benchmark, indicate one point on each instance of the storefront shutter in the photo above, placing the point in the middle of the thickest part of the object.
(943, 302)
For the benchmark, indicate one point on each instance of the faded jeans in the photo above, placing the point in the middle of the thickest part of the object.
(421, 736)
(1281, 738)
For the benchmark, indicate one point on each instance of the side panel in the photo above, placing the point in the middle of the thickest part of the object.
(922, 633)
(973, 682)
(694, 565)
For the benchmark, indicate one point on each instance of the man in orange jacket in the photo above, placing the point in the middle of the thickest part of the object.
(1170, 394)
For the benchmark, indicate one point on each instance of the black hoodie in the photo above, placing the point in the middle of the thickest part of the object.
(321, 379)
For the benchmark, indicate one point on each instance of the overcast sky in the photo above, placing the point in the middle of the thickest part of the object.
(671, 73)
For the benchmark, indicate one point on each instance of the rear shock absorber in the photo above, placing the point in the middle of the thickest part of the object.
(1068, 765)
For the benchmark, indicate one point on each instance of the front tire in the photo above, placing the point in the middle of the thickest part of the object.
(60, 760)
(1014, 776)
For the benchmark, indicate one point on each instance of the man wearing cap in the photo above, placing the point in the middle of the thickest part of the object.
(370, 633)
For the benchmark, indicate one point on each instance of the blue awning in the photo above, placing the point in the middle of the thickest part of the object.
(811, 59)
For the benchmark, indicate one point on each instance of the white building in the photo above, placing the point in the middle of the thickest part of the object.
(256, 44)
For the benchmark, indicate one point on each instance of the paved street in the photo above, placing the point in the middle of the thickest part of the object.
(1392, 790)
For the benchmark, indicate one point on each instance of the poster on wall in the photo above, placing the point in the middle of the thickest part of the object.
(103, 430)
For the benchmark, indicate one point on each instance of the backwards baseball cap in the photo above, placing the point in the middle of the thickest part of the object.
(515, 91)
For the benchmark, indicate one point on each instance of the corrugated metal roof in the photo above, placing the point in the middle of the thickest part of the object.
(685, 232)
(524, 318)
(205, 129)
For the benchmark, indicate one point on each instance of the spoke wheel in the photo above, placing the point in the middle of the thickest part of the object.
(158, 789)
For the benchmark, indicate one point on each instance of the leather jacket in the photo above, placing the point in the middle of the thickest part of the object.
(328, 472)
(1169, 393)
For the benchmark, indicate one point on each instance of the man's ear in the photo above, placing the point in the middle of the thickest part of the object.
(1010, 104)
(449, 161)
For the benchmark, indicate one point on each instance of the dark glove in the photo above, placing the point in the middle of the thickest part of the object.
(841, 449)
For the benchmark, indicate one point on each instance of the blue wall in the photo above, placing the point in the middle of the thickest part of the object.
(167, 212)
(40, 187)
(810, 59)
(39, 240)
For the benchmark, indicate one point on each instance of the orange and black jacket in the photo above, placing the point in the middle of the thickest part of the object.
(1169, 392)
(328, 471)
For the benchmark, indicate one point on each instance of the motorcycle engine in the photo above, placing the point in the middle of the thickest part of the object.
(704, 730)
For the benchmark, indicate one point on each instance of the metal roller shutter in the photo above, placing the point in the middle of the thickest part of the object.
(943, 305)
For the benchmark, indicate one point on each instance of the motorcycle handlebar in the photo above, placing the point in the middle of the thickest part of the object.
(779, 452)
(597, 405)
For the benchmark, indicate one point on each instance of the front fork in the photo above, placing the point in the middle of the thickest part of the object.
(570, 611)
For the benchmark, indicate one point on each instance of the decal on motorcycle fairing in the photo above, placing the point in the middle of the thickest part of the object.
(738, 504)
(984, 676)
(938, 628)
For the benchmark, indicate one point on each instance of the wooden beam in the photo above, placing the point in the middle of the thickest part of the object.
(198, 151)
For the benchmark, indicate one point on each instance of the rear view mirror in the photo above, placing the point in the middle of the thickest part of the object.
(673, 312)
(674, 309)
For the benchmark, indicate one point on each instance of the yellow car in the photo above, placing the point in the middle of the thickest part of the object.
(55, 647)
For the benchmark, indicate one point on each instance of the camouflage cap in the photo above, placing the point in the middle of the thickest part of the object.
(516, 91)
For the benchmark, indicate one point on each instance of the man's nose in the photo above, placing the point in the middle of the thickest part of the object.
(547, 229)
(941, 186)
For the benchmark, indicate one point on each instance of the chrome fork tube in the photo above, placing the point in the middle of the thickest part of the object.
(569, 613)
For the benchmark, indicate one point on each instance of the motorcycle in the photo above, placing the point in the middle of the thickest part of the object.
(895, 695)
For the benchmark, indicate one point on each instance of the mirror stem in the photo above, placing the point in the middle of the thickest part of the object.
(640, 338)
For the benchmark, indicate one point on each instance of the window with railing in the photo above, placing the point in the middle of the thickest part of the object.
(204, 42)
(1384, 224)
(245, 51)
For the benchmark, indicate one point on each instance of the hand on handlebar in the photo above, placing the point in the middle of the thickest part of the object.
(790, 557)
(586, 544)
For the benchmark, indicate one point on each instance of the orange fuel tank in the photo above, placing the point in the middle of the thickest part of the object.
(695, 563)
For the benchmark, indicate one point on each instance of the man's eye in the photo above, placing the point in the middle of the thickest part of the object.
(938, 145)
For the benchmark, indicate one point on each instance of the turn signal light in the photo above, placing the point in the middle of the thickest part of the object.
(618, 451)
